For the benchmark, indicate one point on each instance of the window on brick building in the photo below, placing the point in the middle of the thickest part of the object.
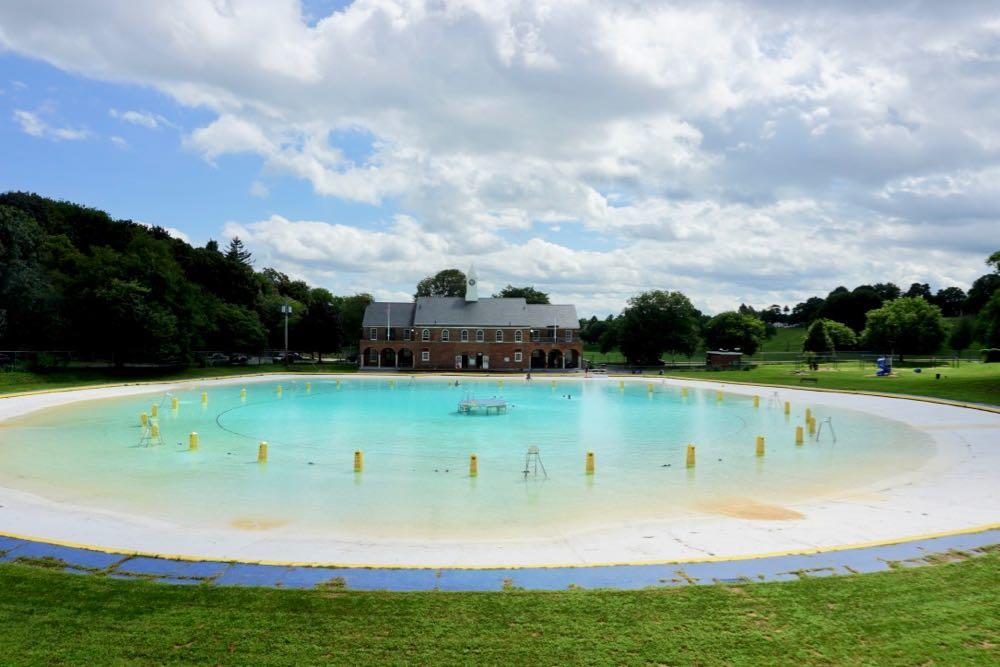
(425, 355)
(499, 335)
(518, 336)
(425, 335)
(480, 336)
(445, 335)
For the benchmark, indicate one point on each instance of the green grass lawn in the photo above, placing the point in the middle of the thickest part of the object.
(975, 382)
(13, 381)
(938, 614)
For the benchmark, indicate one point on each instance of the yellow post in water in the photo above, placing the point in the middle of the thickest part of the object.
(338, 384)
(193, 441)
(204, 397)
(812, 426)
(590, 463)
(359, 462)
(279, 390)
(174, 403)
(798, 435)
(473, 465)
(649, 387)
(262, 453)
(243, 393)
(809, 415)
(788, 408)
(309, 387)
(154, 431)
(621, 385)
(684, 392)
(154, 410)
(718, 395)
(553, 384)
(760, 445)
(756, 401)
(690, 456)
(144, 419)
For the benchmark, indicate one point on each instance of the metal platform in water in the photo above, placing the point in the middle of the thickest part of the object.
(482, 405)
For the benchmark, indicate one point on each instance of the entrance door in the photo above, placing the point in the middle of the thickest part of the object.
(486, 361)
(458, 361)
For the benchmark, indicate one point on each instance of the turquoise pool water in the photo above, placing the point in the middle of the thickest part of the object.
(416, 446)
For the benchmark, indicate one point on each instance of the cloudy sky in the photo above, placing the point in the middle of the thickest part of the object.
(753, 152)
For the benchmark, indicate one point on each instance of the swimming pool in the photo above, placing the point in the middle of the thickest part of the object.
(415, 487)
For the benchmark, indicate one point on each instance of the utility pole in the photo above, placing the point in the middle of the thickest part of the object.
(286, 309)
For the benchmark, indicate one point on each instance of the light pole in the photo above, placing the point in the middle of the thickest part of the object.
(287, 310)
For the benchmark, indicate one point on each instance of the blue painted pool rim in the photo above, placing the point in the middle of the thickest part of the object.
(120, 565)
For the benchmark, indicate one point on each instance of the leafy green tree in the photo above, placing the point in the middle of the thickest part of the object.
(28, 301)
(730, 330)
(656, 322)
(608, 340)
(529, 294)
(989, 321)
(908, 325)
(450, 282)
(817, 339)
(843, 336)
(236, 329)
(962, 333)
(135, 328)
(919, 290)
(807, 311)
(982, 289)
(319, 330)
(850, 307)
(887, 291)
(951, 301)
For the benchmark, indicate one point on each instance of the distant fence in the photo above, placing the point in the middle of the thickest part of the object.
(42, 360)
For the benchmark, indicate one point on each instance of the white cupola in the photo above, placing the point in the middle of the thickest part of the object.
(471, 285)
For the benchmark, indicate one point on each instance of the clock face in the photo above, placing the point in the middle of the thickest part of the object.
(472, 281)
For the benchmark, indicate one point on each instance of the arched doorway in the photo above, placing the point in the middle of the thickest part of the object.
(405, 357)
(572, 359)
(537, 359)
(370, 357)
(388, 358)
(555, 359)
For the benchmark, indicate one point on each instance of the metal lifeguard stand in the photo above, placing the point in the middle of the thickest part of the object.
(532, 462)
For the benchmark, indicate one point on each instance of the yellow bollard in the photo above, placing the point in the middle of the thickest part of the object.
(798, 435)
(649, 387)
(174, 403)
(788, 408)
(718, 396)
(204, 397)
(193, 441)
(243, 392)
(279, 390)
(359, 463)
(684, 392)
(338, 384)
(690, 456)
(309, 387)
(590, 463)
(621, 384)
(756, 401)
(262, 452)
(812, 426)
(144, 419)
(809, 415)
(154, 410)
(473, 465)
(553, 384)
(760, 445)
(154, 431)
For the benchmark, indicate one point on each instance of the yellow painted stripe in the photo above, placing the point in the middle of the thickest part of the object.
(679, 561)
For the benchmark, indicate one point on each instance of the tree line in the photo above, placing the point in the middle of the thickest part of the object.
(879, 317)
(72, 278)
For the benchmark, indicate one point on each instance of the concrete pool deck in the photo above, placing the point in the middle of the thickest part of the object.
(956, 492)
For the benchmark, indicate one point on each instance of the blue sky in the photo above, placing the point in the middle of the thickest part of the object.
(757, 151)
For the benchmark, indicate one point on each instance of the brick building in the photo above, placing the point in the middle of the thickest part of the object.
(470, 333)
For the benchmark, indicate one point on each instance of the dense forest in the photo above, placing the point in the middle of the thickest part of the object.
(72, 278)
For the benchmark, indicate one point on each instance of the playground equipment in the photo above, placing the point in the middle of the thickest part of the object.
(884, 366)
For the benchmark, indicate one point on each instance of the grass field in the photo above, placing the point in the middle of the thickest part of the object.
(974, 382)
(938, 614)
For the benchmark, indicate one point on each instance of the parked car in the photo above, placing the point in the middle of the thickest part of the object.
(238, 359)
(290, 359)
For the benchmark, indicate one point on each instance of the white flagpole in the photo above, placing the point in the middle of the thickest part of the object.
(388, 326)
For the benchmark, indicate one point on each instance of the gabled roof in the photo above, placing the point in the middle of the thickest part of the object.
(385, 313)
(456, 311)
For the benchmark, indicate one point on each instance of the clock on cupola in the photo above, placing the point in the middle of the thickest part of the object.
(471, 285)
